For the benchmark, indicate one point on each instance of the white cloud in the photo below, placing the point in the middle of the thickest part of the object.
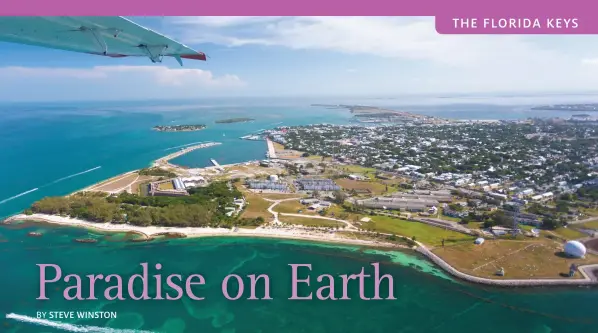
(390, 37)
(114, 83)
(159, 75)
(590, 61)
(462, 62)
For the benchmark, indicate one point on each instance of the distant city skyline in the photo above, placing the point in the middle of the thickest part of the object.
(308, 56)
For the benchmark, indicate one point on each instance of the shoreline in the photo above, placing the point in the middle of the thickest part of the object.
(309, 235)
(198, 232)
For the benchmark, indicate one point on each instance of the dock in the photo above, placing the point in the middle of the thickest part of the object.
(271, 152)
(216, 164)
(164, 161)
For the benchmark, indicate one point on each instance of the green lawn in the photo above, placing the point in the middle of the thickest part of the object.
(424, 233)
(569, 233)
(358, 169)
(526, 227)
(591, 225)
(256, 207)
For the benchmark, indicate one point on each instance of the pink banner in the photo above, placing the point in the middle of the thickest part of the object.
(496, 24)
(452, 17)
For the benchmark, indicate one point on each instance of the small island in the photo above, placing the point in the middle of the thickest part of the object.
(567, 107)
(233, 120)
(178, 128)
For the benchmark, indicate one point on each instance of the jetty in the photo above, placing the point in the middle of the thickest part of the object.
(164, 161)
(216, 164)
(271, 151)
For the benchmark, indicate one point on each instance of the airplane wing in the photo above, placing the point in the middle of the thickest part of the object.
(111, 36)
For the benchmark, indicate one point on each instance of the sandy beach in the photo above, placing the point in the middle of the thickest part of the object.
(298, 233)
(307, 234)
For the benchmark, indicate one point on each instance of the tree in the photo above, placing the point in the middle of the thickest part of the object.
(562, 207)
(551, 223)
(339, 197)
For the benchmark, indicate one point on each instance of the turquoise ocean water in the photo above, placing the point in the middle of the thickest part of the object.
(54, 149)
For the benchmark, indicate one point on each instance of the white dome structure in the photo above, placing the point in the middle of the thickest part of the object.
(575, 249)
(273, 178)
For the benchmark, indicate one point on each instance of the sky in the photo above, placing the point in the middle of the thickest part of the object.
(307, 56)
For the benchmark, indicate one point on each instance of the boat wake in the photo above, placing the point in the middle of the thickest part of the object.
(68, 327)
(74, 175)
(181, 146)
(18, 195)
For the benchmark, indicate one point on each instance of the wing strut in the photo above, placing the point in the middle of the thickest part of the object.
(98, 37)
(154, 52)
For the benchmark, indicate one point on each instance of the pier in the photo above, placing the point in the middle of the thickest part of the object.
(271, 152)
(216, 164)
(164, 161)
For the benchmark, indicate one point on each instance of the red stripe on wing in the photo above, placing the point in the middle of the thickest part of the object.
(199, 56)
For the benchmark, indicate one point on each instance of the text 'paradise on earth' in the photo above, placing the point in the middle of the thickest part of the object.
(515, 23)
(137, 287)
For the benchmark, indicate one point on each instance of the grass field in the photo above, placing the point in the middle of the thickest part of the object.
(310, 222)
(370, 237)
(340, 213)
(358, 169)
(115, 183)
(277, 146)
(281, 196)
(569, 233)
(520, 259)
(292, 207)
(374, 187)
(589, 225)
(256, 207)
(166, 186)
(424, 233)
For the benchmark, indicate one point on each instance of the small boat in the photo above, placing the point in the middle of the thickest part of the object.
(34, 234)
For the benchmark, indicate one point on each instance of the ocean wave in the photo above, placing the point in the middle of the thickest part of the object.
(18, 195)
(69, 327)
(75, 175)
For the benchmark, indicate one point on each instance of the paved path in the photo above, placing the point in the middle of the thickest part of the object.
(348, 224)
(589, 219)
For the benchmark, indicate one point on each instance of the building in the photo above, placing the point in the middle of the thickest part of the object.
(317, 185)
(170, 187)
(412, 205)
(498, 195)
(193, 181)
(267, 185)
